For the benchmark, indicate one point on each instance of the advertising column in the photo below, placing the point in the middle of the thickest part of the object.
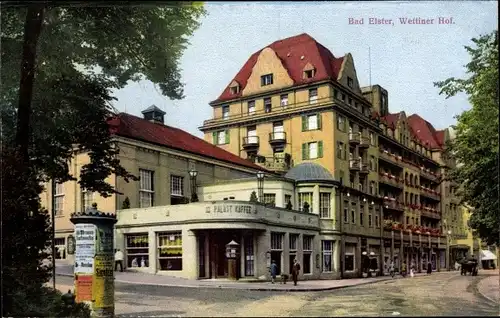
(94, 260)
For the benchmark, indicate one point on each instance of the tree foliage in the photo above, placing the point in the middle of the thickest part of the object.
(475, 147)
(59, 66)
(82, 54)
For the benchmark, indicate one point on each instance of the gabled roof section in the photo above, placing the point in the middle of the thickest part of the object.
(295, 53)
(391, 120)
(425, 132)
(133, 127)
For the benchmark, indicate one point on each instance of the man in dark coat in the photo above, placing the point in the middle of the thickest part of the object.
(295, 271)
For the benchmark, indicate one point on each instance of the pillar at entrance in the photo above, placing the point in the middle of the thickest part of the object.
(94, 260)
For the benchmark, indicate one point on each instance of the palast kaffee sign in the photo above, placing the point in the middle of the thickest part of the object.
(231, 209)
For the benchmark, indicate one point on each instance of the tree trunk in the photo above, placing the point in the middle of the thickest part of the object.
(32, 29)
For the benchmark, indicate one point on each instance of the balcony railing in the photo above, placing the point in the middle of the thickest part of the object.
(391, 203)
(391, 179)
(354, 137)
(354, 164)
(430, 213)
(429, 193)
(363, 167)
(392, 158)
(250, 142)
(364, 141)
(428, 174)
(422, 230)
(273, 163)
(277, 137)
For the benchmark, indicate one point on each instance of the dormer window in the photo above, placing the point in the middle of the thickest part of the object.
(234, 88)
(350, 82)
(309, 71)
(225, 112)
(266, 80)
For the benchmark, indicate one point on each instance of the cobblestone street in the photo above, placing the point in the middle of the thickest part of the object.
(435, 295)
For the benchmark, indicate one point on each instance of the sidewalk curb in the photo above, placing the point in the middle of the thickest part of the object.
(496, 302)
(254, 288)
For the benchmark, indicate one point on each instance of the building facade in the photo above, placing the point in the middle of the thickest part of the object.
(161, 156)
(294, 101)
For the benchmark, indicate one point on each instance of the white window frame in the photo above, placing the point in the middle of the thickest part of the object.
(312, 122)
(225, 112)
(313, 96)
(284, 100)
(270, 198)
(277, 240)
(305, 197)
(146, 188)
(266, 79)
(307, 250)
(176, 185)
(58, 198)
(252, 135)
(313, 150)
(251, 107)
(327, 253)
(170, 236)
(87, 199)
(221, 137)
(268, 102)
(325, 205)
(278, 131)
(340, 123)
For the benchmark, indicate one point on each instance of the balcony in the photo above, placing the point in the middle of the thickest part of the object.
(391, 180)
(250, 142)
(364, 141)
(277, 138)
(429, 193)
(276, 164)
(430, 213)
(363, 167)
(354, 138)
(422, 230)
(392, 204)
(391, 158)
(354, 164)
(429, 175)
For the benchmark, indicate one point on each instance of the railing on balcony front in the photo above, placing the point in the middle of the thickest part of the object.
(277, 137)
(363, 167)
(250, 141)
(354, 137)
(364, 141)
(429, 193)
(391, 179)
(354, 164)
(273, 163)
(392, 158)
(392, 203)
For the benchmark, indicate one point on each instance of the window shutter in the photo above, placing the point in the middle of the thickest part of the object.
(320, 149)
(304, 123)
(214, 138)
(318, 118)
(227, 137)
(304, 151)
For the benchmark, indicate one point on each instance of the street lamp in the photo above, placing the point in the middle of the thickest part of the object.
(260, 185)
(194, 196)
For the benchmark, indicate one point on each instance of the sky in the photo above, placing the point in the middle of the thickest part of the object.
(405, 59)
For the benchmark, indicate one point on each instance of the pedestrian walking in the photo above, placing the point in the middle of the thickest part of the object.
(391, 269)
(412, 270)
(429, 268)
(295, 271)
(119, 260)
(403, 269)
(274, 271)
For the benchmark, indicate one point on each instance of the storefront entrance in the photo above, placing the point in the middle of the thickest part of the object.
(212, 253)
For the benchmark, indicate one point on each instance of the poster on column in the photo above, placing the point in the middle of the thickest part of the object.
(83, 288)
(85, 235)
(103, 282)
(104, 240)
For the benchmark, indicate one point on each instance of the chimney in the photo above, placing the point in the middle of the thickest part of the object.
(154, 114)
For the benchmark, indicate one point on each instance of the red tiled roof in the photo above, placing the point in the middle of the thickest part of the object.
(439, 136)
(391, 119)
(290, 51)
(130, 126)
(424, 131)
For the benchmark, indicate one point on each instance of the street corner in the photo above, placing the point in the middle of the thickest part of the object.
(489, 287)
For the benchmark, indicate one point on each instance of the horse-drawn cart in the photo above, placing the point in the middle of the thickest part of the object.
(468, 266)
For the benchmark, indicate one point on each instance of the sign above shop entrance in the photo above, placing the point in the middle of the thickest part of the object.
(231, 208)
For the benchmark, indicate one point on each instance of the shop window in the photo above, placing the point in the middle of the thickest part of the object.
(349, 257)
(277, 249)
(137, 250)
(307, 247)
(170, 251)
(327, 255)
(60, 245)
